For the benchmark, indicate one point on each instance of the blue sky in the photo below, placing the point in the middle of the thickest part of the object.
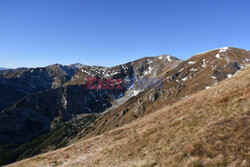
(111, 32)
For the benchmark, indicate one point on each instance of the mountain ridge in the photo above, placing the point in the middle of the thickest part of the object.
(68, 102)
(213, 133)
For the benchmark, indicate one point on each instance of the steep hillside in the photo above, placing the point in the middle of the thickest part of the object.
(44, 109)
(17, 83)
(191, 76)
(40, 113)
(209, 128)
(70, 111)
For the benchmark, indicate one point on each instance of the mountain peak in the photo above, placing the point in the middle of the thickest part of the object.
(167, 57)
(222, 49)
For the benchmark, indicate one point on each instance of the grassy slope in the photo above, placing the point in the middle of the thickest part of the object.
(172, 91)
(209, 128)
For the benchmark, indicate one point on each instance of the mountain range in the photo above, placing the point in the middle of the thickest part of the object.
(44, 109)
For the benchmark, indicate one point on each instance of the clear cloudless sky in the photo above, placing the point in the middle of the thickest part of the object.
(111, 32)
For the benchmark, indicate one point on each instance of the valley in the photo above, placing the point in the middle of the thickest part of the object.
(50, 108)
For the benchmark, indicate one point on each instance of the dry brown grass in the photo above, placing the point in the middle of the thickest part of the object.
(210, 128)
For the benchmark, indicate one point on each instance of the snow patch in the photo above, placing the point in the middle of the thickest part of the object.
(184, 79)
(191, 62)
(148, 71)
(181, 70)
(242, 66)
(213, 77)
(229, 75)
(149, 61)
(203, 63)
(208, 87)
(169, 59)
(107, 75)
(223, 49)
(135, 92)
(193, 69)
(86, 72)
(114, 73)
(218, 56)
